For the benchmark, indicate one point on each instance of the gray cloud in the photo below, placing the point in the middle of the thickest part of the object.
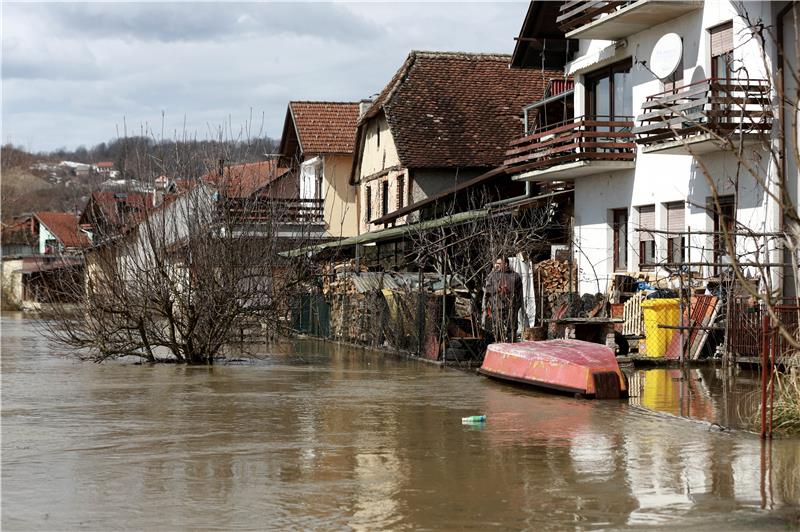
(169, 22)
(71, 73)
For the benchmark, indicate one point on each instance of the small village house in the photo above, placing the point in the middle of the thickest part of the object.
(443, 119)
(49, 248)
(105, 168)
(317, 145)
(107, 213)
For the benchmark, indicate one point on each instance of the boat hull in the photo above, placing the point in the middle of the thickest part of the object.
(570, 366)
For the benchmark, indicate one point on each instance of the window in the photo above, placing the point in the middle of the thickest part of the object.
(608, 92)
(647, 240)
(722, 65)
(620, 229)
(401, 191)
(51, 246)
(378, 132)
(368, 198)
(676, 225)
(385, 198)
(318, 183)
(721, 50)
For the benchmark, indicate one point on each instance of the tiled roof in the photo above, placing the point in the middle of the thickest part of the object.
(242, 180)
(105, 203)
(449, 109)
(64, 227)
(325, 127)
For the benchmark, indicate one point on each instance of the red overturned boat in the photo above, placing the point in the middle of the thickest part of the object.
(583, 368)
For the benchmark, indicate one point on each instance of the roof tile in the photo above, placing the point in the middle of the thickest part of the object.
(325, 127)
(448, 109)
(64, 227)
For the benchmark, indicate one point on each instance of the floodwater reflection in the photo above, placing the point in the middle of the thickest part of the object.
(321, 436)
(703, 394)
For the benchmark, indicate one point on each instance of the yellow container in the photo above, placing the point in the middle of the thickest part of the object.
(660, 312)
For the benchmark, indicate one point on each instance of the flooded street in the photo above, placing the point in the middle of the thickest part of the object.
(329, 437)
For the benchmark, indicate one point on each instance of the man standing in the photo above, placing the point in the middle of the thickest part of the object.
(502, 299)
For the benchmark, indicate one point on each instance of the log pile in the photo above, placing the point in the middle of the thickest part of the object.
(553, 275)
(336, 278)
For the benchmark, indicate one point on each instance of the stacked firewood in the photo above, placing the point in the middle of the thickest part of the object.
(336, 278)
(553, 274)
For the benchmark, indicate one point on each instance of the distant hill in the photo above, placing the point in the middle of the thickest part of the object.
(22, 191)
(22, 181)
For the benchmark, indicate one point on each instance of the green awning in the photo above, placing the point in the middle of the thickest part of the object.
(391, 233)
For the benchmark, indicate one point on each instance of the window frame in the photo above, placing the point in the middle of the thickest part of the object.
(647, 239)
(592, 78)
(619, 224)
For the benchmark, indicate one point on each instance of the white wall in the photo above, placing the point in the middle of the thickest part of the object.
(44, 236)
(663, 178)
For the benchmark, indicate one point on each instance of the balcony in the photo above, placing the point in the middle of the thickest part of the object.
(615, 20)
(293, 215)
(578, 147)
(705, 116)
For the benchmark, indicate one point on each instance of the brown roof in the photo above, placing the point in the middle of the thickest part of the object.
(325, 127)
(64, 227)
(105, 164)
(242, 180)
(449, 109)
(104, 203)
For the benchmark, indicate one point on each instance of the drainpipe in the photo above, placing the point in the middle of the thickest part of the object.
(780, 217)
(528, 194)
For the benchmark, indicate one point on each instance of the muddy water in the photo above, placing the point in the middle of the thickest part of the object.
(321, 437)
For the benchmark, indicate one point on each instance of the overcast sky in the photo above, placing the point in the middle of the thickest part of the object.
(72, 72)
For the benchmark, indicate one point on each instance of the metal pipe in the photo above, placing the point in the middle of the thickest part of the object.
(528, 194)
(764, 349)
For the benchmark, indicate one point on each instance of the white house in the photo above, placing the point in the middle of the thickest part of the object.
(665, 93)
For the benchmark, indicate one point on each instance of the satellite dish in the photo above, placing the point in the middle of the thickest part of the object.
(667, 55)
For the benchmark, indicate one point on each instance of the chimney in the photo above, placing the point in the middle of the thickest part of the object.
(365, 104)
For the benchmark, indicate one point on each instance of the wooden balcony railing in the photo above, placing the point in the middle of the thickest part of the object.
(577, 13)
(277, 210)
(580, 139)
(725, 109)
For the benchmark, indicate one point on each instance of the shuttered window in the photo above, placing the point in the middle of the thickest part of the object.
(721, 39)
(676, 224)
(676, 218)
(647, 220)
(647, 241)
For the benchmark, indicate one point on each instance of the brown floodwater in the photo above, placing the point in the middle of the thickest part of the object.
(317, 436)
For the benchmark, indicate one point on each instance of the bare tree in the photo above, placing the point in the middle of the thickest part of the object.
(183, 277)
